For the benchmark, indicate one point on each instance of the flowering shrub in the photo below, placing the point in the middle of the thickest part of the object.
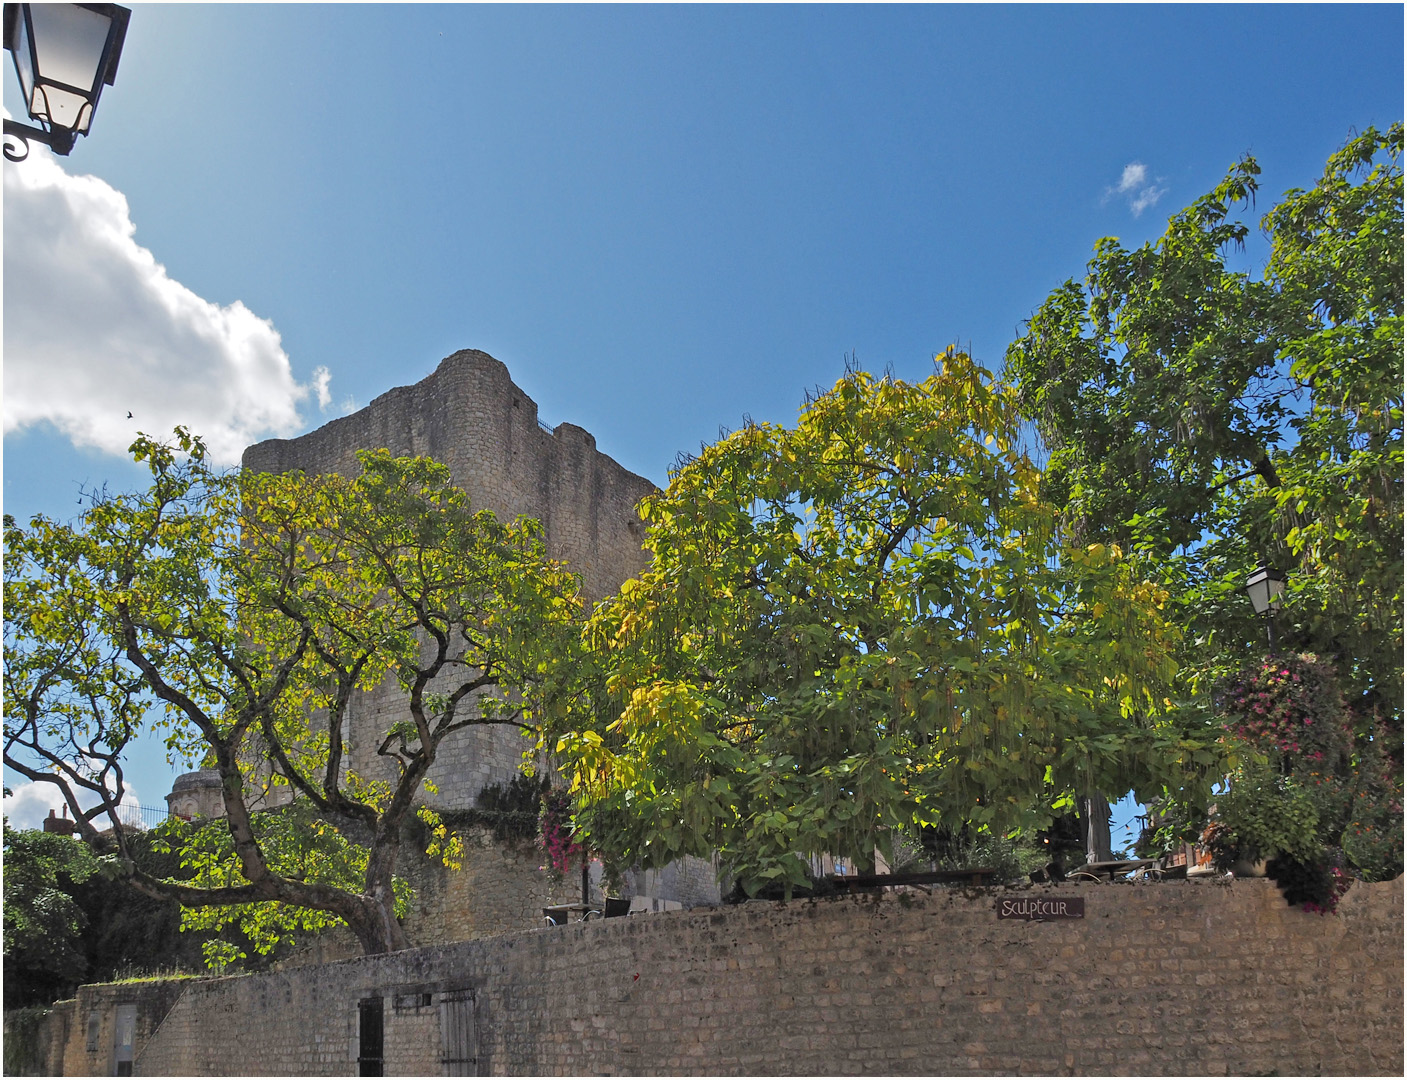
(1315, 884)
(1324, 806)
(555, 830)
(1372, 839)
(1339, 881)
(1290, 707)
(1218, 839)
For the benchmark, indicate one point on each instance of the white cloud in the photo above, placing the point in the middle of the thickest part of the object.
(1135, 173)
(31, 802)
(322, 380)
(95, 329)
(1135, 185)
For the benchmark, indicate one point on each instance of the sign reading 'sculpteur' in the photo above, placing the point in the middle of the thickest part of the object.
(1041, 907)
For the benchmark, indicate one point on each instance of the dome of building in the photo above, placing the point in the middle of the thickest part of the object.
(195, 795)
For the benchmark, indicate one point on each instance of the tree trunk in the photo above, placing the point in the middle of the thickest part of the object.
(374, 923)
(1094, 823)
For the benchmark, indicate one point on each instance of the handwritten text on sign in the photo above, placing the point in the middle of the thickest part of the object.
(1040, 907)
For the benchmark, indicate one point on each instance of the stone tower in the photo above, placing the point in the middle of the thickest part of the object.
(196, 795)
(470, 416)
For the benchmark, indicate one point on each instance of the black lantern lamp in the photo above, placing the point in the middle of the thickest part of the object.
(64, 55)
(1264, 587)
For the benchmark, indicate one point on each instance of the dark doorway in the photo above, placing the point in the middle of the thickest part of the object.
(371, 1039)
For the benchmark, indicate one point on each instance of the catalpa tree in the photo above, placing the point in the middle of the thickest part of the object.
(235, 615)
(865, 623)
(1219, 419)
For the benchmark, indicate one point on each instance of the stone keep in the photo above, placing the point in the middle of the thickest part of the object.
(470, 416)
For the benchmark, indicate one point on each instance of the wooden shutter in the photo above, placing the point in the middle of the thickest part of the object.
(458, 1052)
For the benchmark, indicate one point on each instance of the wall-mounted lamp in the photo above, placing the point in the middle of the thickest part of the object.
(64, 55)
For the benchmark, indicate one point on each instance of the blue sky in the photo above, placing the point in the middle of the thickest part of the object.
(660, 218)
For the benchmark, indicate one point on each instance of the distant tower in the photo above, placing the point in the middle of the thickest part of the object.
(196, 795)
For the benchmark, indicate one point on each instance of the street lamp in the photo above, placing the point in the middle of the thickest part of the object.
(1264, 588)
(64, 54)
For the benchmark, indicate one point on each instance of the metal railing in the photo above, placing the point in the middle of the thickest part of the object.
(142, 817)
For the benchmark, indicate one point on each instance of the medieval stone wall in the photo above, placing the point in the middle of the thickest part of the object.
(85, 1036)
(470, 416)
(1192, 977)
(498, 888)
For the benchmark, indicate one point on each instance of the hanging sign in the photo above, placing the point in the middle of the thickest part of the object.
(1040, 908)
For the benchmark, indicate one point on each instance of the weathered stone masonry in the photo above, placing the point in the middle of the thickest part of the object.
(469, 415)
(1172, 978)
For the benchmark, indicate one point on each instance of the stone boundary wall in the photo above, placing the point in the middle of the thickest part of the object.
(34, 1046)
(83, 1030)
(1170, 978)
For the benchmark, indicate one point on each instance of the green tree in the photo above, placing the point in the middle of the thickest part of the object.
(235, 615)
(69, 923)
(862, 624)
(1217, 419)
(43, 923)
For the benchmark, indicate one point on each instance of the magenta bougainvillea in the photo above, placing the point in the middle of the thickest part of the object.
(555, 831)
(1289, 706)
(1339, 881)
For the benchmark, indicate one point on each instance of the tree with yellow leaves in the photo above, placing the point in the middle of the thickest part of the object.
(862, 624)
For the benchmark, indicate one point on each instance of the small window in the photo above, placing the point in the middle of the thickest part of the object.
(95, 1030)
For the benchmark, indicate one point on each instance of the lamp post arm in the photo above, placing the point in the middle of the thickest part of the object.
(60, 141)
(1264, 467)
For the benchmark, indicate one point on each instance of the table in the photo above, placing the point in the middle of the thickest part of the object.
(561, 914)
(1112, 868)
